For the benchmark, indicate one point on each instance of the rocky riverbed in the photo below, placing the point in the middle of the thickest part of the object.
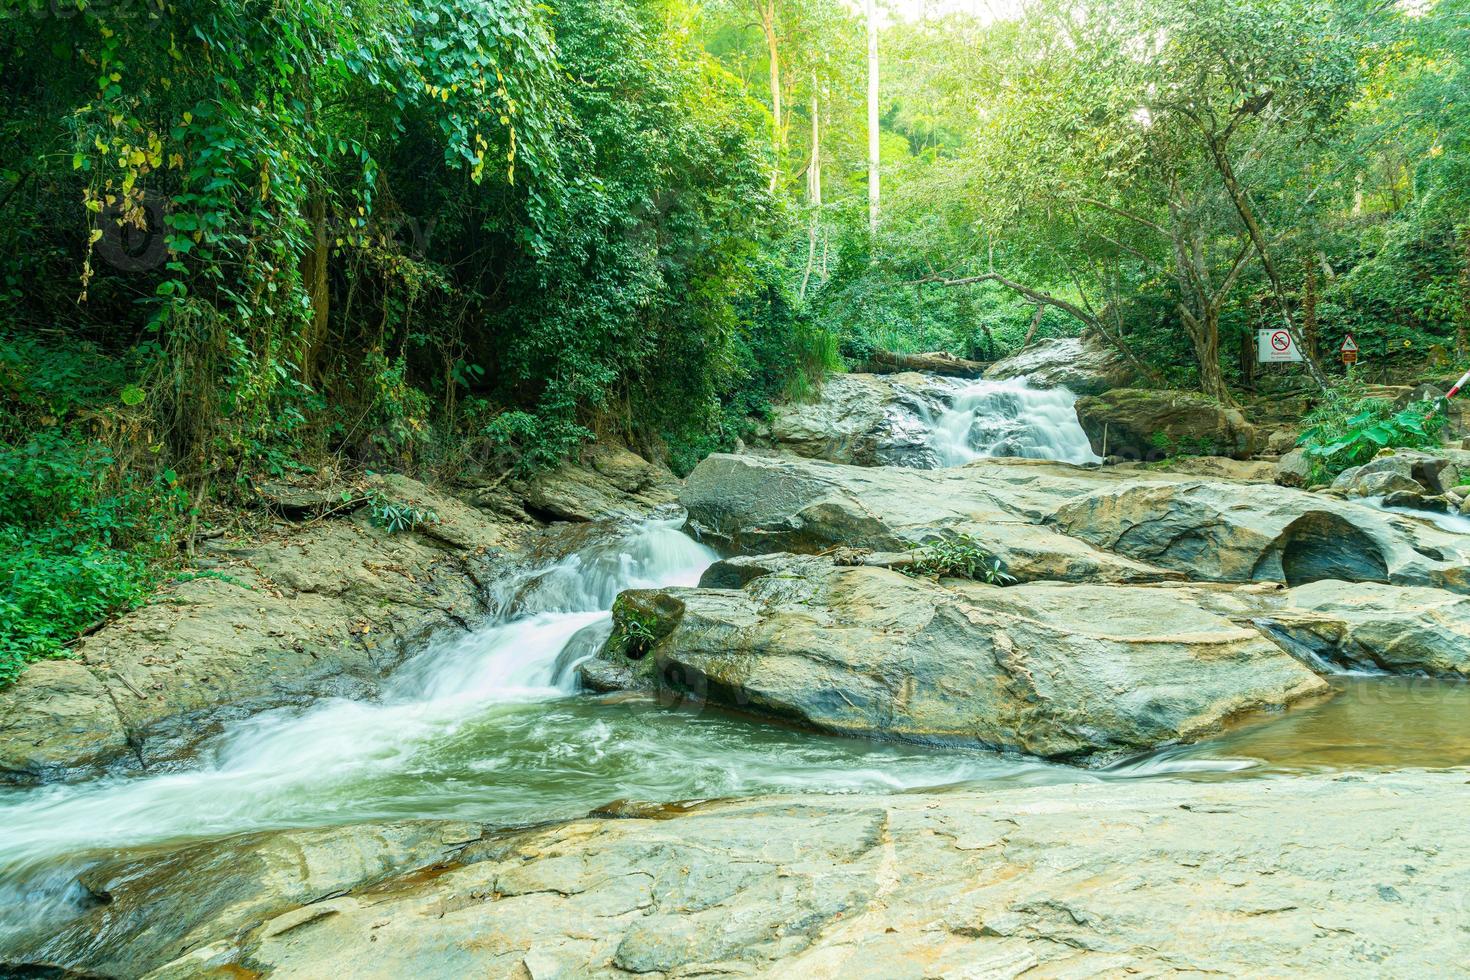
(812, 752)
(1307, 876)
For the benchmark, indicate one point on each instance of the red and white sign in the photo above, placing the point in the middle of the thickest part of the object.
(1274, 346)
(1349, 350)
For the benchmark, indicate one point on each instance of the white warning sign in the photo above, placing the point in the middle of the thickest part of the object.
(1273, 346)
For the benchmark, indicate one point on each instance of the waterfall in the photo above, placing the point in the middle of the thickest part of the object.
(986, 419)
(276, 767)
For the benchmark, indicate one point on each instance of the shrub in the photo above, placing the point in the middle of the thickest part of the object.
(960, 557)
(1347, 430)
(79, 541)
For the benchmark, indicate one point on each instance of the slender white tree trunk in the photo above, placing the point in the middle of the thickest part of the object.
(814, 185)
(872, 115)
(768, 25)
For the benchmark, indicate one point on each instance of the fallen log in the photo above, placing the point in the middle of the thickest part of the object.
(933, 362)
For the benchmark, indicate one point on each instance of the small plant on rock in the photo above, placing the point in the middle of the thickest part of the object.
(960, 557)
(394, 516)
(635, 632)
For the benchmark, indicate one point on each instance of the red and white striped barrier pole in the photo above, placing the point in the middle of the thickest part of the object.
(1464, 380)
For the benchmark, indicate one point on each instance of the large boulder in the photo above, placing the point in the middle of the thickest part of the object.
(1379, 627)
(759, 504)
(1070, 672)
(864, 419)
(1051, 521)
(605, 482)
(1087, 365)
(1316, 875)
(1293, 470)
(1223, 532)
(159, 904)
(1138, 423)
(1405, 470)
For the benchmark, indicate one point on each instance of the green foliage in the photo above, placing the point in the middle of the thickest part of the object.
(395, 516)
(1172, 447)
(636, 631)
(961, 556)
(1347, 430)
(79, 541)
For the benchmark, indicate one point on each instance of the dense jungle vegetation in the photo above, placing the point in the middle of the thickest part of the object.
(253, 238)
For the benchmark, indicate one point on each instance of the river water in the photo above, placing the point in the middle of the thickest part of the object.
(490, 726)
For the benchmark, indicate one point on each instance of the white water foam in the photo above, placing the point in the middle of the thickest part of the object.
(987, 419)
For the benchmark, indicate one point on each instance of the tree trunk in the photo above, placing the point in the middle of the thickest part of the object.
(814, 186)
(936, 362)
(1248, 359)
(1309, 311)
(1258, 239)
(872, 14)
(1035, 322)
(768, 25)
(1206, 336)
(1462, 335)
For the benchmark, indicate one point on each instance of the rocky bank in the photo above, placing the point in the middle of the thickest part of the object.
(324, 603)
(1312, 876)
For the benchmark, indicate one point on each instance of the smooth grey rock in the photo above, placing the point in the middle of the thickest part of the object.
(1073, 672)
(1221, 532)
(1400, 630)
(1310, 876)
(1293, 470)
(759, 504)
(864, 419)
(1086, 365)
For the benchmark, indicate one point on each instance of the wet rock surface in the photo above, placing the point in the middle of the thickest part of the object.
(1050, 521)
(1144, 424)
(864, 419)
(1311, 876)
(1234, 533)
(1072, 672)
(324, 607)
(1381, 627)
(1086, 365)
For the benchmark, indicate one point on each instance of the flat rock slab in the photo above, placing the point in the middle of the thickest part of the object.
(1053, 521)
(759, 504)
(1079, 673)
(1312, 876)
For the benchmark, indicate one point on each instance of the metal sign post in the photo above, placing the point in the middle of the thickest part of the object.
(1464, 380)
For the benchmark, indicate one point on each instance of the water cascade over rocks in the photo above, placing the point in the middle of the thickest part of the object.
(483, 726)
(987, 419)
(1144, 627)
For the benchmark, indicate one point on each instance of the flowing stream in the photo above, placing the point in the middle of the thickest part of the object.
(490, 726)
(1009, 418)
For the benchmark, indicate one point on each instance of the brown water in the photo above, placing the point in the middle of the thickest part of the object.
(1371, 723)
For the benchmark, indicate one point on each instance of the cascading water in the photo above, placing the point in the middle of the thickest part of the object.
(486, 727)
(1455, 523)
(986, 419)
